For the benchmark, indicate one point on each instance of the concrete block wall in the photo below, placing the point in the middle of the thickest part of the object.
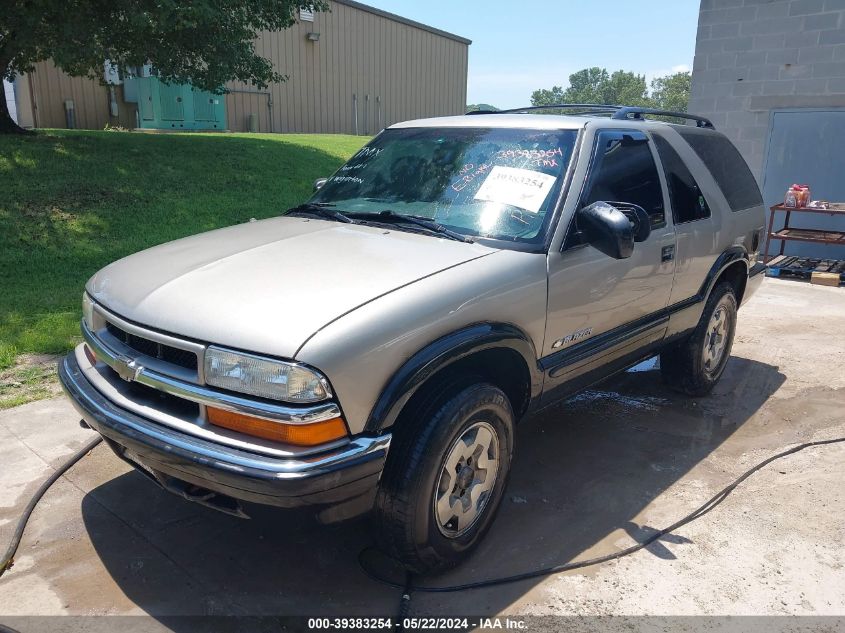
(753, 56)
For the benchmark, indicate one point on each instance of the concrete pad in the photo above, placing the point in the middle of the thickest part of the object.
(592, 476)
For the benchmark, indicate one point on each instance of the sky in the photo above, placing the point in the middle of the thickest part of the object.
(518, 47)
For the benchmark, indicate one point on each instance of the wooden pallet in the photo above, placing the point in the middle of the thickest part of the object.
(804, 267)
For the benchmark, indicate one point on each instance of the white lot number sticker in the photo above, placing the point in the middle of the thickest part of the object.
(521, 188)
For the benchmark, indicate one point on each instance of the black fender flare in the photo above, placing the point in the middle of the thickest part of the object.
(443, 352)
(729, 257)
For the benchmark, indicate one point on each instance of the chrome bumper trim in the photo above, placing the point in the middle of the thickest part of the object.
(129, 369)
(94, 405)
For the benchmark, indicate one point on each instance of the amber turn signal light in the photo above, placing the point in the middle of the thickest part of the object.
(310, 434)
(89, 354)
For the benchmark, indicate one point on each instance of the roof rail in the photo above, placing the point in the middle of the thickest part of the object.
(619, 113)
(590, 107)
(636, 113)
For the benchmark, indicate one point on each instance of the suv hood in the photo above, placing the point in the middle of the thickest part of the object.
(268, 286)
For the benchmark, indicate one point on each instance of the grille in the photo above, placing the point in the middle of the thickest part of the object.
(161, 401)
(145, 346)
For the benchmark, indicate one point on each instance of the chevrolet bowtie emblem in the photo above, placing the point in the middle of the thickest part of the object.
(127, 368)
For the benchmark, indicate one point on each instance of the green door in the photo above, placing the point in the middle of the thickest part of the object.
(204, 105)
(172, 102)
(145, 99)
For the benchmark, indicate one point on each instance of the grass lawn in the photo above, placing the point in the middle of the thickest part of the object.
(73, 201)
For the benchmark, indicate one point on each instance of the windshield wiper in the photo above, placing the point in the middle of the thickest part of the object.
(321, 209)
(390, 216)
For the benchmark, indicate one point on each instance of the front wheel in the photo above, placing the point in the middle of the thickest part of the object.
(695, 366)
(445, 475)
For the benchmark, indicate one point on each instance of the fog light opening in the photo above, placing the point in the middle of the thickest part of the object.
(89, 354)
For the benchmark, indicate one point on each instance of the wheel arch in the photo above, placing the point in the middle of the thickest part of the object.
(500, 352)
(731, 266)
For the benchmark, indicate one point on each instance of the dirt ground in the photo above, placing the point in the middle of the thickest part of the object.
(592, 476)
(32, 377)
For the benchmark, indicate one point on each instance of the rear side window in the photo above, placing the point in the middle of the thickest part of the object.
(623, 170)
(727, 166)
(688, 203)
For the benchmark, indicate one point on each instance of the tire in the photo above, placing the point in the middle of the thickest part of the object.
(694, 366)
(446, 426)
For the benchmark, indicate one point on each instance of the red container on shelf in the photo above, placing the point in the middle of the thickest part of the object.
(805, 195)
(797, 196)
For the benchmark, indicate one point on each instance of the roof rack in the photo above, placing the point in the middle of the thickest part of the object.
(587, 107)
(619, 113)
(636, 113)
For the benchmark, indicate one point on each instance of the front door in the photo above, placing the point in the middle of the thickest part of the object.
(601, 310)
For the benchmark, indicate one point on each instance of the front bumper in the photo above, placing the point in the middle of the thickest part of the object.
(341, 482)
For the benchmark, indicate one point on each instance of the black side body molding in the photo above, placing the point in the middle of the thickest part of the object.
(483, 336)
(444, 352)
(554, 364)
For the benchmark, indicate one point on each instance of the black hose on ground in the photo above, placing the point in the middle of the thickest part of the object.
(8, 558)
(407, 588)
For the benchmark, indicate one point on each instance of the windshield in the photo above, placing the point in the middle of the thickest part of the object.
(493, 183)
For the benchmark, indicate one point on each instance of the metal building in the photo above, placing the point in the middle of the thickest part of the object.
(353, 69)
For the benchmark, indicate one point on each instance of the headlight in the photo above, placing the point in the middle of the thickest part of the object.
(88, 311)
(264, 377)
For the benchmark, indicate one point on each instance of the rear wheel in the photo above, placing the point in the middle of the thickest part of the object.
(445, 475)
(695, 365)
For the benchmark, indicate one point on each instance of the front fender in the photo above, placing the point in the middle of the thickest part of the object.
(443, 352)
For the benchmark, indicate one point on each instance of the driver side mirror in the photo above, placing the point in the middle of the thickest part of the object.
(318, 184)
(608, 229)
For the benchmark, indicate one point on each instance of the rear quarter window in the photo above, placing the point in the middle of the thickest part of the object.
(728, 168)
(688, 202)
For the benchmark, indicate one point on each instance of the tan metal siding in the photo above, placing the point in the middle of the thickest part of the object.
(410, 71)
(407, 71)
(52, 87)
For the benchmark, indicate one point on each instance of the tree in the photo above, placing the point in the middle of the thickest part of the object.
(671, 92)
(587, 86)
(547, 97)
(596, 85)
(624, 88)
(204, 42)
(475, 107)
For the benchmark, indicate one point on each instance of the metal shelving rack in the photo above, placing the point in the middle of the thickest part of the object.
(788, 233)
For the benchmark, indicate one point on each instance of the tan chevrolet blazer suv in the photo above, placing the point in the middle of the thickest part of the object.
(372, 349)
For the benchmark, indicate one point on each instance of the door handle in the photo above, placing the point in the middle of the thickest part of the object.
(667, 253)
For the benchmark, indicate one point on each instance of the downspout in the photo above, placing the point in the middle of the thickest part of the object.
(34, 100)
(112, 102)
(366, 115)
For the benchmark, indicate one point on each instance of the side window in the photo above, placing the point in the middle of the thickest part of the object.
(623, 170)
(688, 203)
(725, 163)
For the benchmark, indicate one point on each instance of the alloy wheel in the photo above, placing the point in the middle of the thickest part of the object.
(466, 480)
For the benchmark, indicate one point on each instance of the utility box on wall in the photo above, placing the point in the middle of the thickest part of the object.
(163, 106)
